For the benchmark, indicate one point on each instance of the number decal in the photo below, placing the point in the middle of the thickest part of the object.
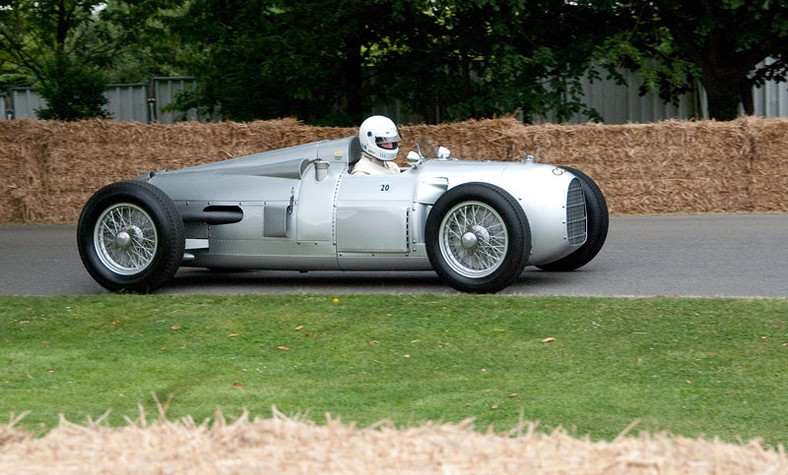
(384, 187)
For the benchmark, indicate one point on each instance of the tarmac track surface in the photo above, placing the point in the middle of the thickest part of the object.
(676, 255)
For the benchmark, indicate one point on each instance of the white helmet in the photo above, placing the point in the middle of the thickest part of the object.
(379, 136)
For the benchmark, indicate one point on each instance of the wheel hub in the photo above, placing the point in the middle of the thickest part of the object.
(469, 240)
(124, 239)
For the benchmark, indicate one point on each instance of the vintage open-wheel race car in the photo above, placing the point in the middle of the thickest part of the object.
(478, 224)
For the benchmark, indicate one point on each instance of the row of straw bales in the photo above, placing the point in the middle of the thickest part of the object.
(49, 169)
(287, 445)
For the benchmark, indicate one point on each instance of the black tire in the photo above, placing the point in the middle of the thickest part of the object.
(130, 237)
(478, 238)
(597, 225)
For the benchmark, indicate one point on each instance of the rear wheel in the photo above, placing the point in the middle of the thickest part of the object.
(597, 225)
(478, 239)
(130, 237)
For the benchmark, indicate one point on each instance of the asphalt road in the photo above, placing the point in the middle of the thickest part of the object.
(693, 255)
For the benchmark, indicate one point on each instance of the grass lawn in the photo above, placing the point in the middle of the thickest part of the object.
(696, 367)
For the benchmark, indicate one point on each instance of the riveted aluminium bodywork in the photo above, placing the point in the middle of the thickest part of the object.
(301, 209)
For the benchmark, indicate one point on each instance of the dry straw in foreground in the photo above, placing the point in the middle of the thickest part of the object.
(290, 445)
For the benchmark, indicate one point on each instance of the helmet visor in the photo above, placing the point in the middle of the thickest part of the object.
(389, 143)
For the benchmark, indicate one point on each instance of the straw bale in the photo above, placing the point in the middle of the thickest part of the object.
(21, 176)
(769, 171)
(290, 445)
(654, 168)
(49, 169)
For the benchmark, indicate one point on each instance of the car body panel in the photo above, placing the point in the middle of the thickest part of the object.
(301, 209)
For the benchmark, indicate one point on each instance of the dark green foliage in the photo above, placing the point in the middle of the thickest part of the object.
(332, 63)
(72, 92)
(329, 63)
(723, 44)
(266, 59)
(69, 49)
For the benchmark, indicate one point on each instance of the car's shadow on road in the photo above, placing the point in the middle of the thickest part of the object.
(190, 280)
(198, 280)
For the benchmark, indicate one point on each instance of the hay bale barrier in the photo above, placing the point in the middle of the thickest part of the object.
(283, 444)
(49, 169)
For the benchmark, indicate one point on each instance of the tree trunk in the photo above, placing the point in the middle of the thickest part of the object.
(745, 94)
(725, 93)
(354, 82)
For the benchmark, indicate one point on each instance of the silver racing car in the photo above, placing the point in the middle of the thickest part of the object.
(478, 224)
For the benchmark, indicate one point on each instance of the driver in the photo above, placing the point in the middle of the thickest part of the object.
(379, 136)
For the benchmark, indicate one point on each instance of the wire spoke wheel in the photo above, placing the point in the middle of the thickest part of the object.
(477, 238)
(473, 239)
(125, 238)
(130, 237)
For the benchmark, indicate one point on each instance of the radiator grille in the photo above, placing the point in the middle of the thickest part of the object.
(575, 214)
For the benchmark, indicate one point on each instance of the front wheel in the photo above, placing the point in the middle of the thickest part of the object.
(130, 237)
(478, 239)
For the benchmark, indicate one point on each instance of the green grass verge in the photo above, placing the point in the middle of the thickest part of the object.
(696, 367)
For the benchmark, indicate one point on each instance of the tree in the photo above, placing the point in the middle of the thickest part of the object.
(724, 43)
(327, 62)
(39, 40)
(263, 59)
(462, 59)
(143, 45)
(331, 62)
(65, 48)
(72, 91)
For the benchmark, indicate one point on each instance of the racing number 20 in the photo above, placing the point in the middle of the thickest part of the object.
(384, 187)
